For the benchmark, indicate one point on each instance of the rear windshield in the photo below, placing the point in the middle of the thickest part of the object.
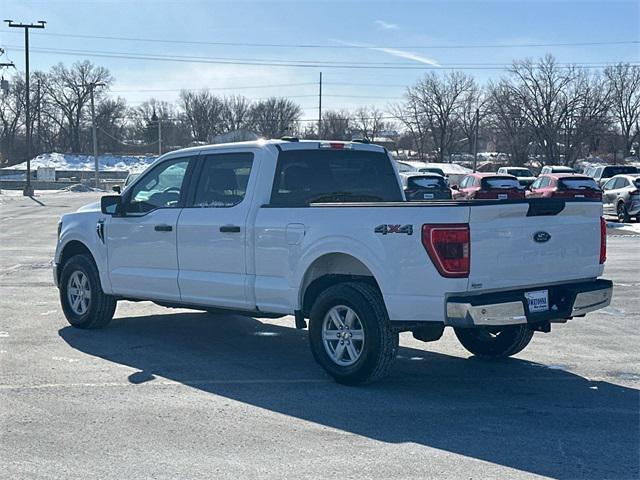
(637, 182)
(308, 176)
(426, 182)
(520, 172)
(579, 183)
(500, 182)
(618, 170)
(432, 170)
(562, 170)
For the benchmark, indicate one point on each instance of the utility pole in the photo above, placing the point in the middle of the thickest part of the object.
(28, 189)
(475, 140)
(320, 109)
(39, 119)
(159, 136)
(95, 133)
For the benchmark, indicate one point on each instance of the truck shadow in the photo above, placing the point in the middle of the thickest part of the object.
(513, 413)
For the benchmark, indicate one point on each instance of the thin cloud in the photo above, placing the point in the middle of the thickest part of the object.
(394, 52)
(408, 55)
(382, 25)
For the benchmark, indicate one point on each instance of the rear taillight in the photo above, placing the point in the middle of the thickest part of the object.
(335, 145)
(449, 248)
(603, 240)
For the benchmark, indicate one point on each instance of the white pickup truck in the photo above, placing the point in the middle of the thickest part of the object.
(321, 231)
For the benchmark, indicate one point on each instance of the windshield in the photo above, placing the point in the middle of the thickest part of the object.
(520, 172)
(618, 170)
(405, 167)
(579, 183)
(562, 170)
(500, 182)
(307, 176)
(426, 182)
(432, 170)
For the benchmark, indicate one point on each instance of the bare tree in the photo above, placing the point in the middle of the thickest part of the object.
(12, 118)
(439, 98)
(472, 102)
(411, 117)
(275, 117)
(69, 90)
(204, 114)
(336, 125)
(506, 120)
(623, 82)
(369, 122)
(237, 113)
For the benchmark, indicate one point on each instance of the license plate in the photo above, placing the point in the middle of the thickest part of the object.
(428, 196)
(502, 196)
(538, 300)
(578, 196)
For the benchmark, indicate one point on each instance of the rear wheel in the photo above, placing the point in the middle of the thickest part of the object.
(350, 335)
(495, 342)
(623, 214)
(83, 302)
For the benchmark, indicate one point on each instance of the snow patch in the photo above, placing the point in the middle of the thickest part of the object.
(107, 162)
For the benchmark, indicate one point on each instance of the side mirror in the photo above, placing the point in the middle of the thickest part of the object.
(117, 189)
(111, 204)
(455, 187)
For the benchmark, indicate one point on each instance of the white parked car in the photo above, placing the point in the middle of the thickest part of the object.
(524, 175)
(556, 169)
(321, 231)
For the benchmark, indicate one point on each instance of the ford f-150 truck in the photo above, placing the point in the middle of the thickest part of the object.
(321, 231)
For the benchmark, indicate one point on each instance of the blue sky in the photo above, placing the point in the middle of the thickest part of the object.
(401, 25)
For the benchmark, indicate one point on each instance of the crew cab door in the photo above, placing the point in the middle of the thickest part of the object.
(141, 242)
(212, 232)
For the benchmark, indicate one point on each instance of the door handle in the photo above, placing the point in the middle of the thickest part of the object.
(230, 229)
(163, 228)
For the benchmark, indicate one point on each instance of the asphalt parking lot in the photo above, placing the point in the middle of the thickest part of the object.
(180, 394)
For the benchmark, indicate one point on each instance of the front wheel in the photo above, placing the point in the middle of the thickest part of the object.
(495, 342)
(350, 334)
(623, 214)
(83, 302)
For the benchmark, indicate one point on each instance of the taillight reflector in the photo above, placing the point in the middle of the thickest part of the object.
(603, 240)
(449, 248)
(334, 145)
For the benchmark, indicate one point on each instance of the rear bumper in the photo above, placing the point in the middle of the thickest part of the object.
(510, 308)
(634, 207)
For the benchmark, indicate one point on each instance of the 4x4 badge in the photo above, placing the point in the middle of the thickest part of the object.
(384, 229)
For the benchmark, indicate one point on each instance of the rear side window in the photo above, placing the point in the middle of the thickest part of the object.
(426, 182)
(579, 183)
(223, 180)
(307, 176)
(620, 183)
(619, 170)
(500, 182)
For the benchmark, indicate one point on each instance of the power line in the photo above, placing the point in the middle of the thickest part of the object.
(247, 87)
(289, 63)
(342, 46)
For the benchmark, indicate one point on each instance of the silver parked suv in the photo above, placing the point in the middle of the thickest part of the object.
(621, 196)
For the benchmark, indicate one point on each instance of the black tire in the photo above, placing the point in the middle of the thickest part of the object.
(495, 342)
(380, 344)
(100, 308)
(623, 214)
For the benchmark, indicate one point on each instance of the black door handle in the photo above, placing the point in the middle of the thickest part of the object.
(230, 229)
(163, 228)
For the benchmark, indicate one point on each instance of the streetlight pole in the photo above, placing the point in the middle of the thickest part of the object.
(28, 189)
(95, 133)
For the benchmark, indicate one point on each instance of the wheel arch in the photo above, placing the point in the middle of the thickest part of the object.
(330, 269)
(70, 249)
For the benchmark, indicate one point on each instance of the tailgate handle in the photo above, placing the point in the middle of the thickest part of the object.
(545, 206)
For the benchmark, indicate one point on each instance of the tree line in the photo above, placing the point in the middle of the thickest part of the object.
(557, 113)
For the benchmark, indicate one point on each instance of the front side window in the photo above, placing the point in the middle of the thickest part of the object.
(314, 176)
(223, 180)
(161, 187)
(536, 184)
(610, 184)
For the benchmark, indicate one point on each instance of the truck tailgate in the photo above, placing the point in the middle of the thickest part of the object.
(526, 244)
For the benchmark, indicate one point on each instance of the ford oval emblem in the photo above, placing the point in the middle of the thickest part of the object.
(541, 237)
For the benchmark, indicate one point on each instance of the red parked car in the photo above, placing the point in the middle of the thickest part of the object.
(564, 185)
(488, 186)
